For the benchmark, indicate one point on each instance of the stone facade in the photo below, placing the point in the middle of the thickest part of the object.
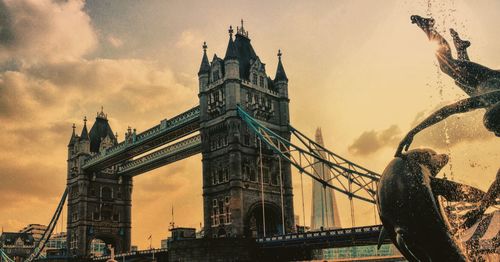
(232, 170)
(99, 203)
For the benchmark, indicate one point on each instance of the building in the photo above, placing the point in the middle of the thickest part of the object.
(164, 243)
(56, 246)
(57, 241)
(324, 213)
(17, 245)
(36, 230)
(99, 202)
(236, 166)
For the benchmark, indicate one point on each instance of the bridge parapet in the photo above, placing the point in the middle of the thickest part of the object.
(144, 137)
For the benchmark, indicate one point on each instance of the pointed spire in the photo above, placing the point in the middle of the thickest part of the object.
(85, 133)
(72, 140)
(205, 65)
(280, 71)
(231, 48)
(319, 136)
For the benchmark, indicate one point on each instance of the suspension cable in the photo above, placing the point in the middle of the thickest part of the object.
(281, 192)
(325, 190)
(50, 228)
(351, 201)
(262, 188)
(302, 192)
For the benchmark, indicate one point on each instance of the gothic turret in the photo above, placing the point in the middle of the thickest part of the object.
(280, 71)
(83, 141)
(281, 80)
(73, 138)
(231, 63)
(85, 134)
(204, 71)
(205, 65)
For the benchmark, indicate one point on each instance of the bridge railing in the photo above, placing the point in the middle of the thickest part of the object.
(164, 126)
(323, 233)
(132, 253)
(169, 150)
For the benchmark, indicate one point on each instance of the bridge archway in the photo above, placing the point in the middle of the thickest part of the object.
(98, 245)
(254, 227)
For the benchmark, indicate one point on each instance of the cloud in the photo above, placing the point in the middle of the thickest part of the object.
(114, 41)
(452, 131)
(43, 30)
(188, 38)
(371, 141)
(46, 83)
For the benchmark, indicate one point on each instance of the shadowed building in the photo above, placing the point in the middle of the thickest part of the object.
(99, 203)
(17, 246)
(234, 170)
(325, 212)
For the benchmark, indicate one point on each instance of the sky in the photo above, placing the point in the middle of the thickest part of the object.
(358, 69)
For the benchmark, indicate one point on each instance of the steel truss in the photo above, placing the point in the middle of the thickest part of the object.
(309, 158)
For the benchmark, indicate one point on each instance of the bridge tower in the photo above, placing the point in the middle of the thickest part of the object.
(233, 171)
(99, 203)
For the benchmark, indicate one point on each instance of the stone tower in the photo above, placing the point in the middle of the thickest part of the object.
(231, 152)
(325, 212)
(99, 203)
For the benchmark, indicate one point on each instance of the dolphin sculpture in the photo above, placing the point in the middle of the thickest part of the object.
(410, 212)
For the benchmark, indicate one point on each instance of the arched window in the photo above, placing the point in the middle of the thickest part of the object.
(106, 193)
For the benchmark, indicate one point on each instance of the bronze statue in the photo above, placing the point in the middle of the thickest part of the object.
(482, 84)
(410, 211)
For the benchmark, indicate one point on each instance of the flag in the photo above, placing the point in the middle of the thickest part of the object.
(150, 237)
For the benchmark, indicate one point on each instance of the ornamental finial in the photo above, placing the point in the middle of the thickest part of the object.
(101, 114)
(279, 54)
(231, 31)
(241, 30)
(205, 47)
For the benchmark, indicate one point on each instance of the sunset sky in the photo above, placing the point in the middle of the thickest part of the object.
(358, 69)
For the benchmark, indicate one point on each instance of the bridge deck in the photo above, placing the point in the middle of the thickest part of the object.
(342, 237)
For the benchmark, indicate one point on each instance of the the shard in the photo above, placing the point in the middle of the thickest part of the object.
(324, 205)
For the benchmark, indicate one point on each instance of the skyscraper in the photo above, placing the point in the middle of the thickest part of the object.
(324, 205)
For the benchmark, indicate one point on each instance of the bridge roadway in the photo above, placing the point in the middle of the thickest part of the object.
(290, 243)
(342, 237)
(161, 134)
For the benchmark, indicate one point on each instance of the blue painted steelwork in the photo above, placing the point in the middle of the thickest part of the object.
(347, 177)
(175, 152)
(5, 257)
(139, 142)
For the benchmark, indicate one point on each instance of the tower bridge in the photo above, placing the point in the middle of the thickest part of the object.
(242, 129)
